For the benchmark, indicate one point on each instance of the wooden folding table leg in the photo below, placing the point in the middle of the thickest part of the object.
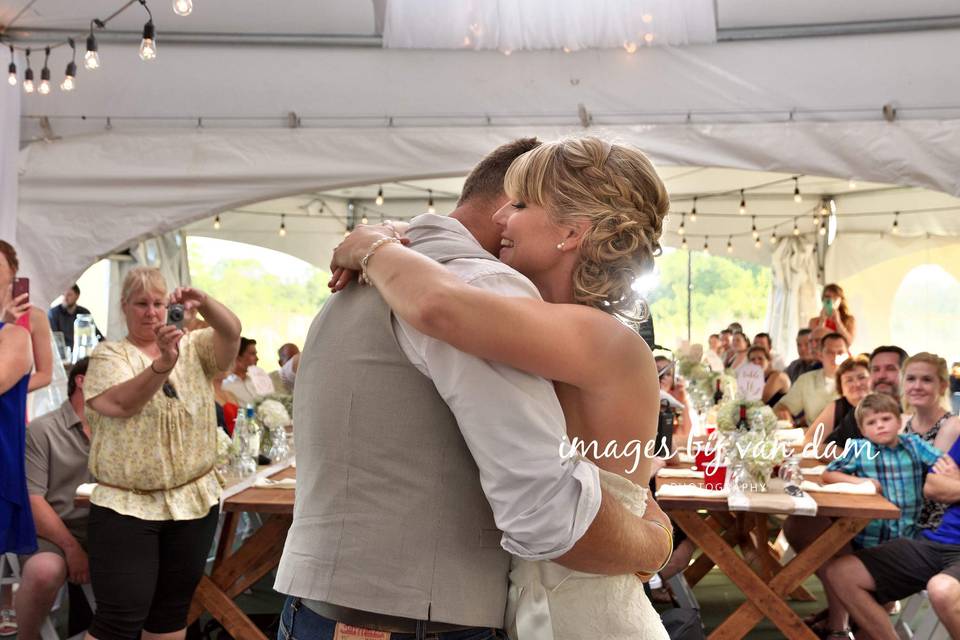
(761, 596)
(797, 570)
(225, 610)
(703, 564)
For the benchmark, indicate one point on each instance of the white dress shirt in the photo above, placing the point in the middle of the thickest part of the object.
(256, 385)
(511, 421)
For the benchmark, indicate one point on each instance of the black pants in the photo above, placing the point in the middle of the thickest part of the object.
(144, 572)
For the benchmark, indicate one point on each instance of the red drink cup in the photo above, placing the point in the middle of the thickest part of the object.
(703, 457)
(714, 477)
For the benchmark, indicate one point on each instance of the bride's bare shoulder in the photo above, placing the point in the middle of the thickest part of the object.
(610, 334)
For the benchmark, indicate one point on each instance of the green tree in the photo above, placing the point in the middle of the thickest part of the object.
(724, 290)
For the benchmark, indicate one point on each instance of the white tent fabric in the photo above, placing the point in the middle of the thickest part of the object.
(793, 292)
(167, 252)
(571, 25)
(85, 197)
(9, 157)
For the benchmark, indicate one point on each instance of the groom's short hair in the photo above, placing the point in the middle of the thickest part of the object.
(485, 181)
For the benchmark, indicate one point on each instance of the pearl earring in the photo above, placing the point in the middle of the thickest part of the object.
(560, 246)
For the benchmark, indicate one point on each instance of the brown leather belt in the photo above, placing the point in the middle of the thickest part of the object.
(147, 492)
(377, 621)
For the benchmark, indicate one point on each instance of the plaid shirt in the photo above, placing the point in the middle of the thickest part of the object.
(901, 470)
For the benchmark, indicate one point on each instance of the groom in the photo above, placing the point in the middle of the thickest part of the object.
(421, 468)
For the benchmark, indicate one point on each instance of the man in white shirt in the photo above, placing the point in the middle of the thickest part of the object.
(544, 506)
(815, 389)
(248, 381)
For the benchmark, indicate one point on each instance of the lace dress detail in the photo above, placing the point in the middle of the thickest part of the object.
(550, 602)
(932, 512)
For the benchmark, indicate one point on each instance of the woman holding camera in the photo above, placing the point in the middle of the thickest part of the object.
(153, 451)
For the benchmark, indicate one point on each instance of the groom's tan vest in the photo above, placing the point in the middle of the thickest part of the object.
(389, 516)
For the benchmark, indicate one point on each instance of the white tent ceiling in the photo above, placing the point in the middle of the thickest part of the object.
(140, 148)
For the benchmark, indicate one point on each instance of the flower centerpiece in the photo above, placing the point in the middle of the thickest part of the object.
(755, 448)
(702, 380)
(274, 417)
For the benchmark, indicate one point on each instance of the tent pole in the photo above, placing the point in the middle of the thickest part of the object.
(689, 292)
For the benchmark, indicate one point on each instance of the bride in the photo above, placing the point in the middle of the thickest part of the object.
(583, 222)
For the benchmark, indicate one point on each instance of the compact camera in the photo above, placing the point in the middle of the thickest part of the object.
(175, 315)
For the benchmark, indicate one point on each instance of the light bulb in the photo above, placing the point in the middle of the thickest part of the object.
(796, 229)
(648, 38)
(182, 7)
(706, 247)
(683, 245)
(44, 87)
(773, 238)
(693, 215)
(148, 46)
(729, 246)
(631, 47)
(364, 220)
(216, 223)
(283, 230)
(91, 59)
(69, 81)
(379, 200)
(681, 230)
(852, 184)
(28, 81)
(430, 207)
(757, 244)
(12, 78)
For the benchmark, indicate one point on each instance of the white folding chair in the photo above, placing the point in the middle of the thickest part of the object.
(918, 620)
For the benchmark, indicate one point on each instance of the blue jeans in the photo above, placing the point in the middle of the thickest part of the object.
(297, 622)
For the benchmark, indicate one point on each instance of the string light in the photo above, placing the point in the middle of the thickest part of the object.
(773, 237)
(379, 199)
(757, 243)
(44, 88)
(823, 227)
(216, 223)
(69, 80)
(283, 226)
(729, 244)
(28, 76)
(148, 46)
(796, 191)
(852, 184)
(630, 47)
(648, 38)
(756, 234)
(796, 227)
(430, 207)
(683, 244)
(364, 220)
(896, 223)
(743, 203)
(91, 59)
(706, 245)
(693, 211)
(182, 7)
(12, 69)
(682, 229)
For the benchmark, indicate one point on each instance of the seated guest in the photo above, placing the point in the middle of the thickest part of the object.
(58, 448)
(227, 404)
(248, 381)
(885, 363)
(62, 316)
(835, 316)
(677, 390)
(714, 342)
(724, 350)
(806, 361)
(896, 465)
(154, 450)
(924, 394)
(285, 353)
(904, 566)
(815, 389)
(776, 383)
(763, 340)
(738, 351)
(288, 373)
(853, 383)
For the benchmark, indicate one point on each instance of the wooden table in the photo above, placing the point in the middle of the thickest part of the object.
(235, 572)
(768, 585)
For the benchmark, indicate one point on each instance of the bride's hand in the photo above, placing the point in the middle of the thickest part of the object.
(345, 264)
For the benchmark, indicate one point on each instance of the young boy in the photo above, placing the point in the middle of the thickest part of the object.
(896, 465)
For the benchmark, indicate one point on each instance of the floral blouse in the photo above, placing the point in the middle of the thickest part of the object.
(163, 456)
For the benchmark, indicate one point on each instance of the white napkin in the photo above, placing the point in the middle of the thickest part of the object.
(853, 488)
(679, 472)
(686, 458)
(267, 483)
(813, 471)
(789, 435)
(689, 491)
(86, 489)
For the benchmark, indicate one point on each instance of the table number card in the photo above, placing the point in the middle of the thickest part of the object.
(750, 382)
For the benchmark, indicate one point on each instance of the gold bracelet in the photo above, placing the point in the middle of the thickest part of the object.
(365, 259)
(646, 576)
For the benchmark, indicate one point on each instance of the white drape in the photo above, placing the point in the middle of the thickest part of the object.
(793, 293)
(9, 158)
(167, 252)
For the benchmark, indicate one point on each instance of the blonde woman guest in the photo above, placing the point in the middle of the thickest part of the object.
(853, 384)
(583, 221)
(835, 316)
(154, 446)
(20, 311)
(925, 382)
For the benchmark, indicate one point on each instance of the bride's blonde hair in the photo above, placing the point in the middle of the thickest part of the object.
(617, 191)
